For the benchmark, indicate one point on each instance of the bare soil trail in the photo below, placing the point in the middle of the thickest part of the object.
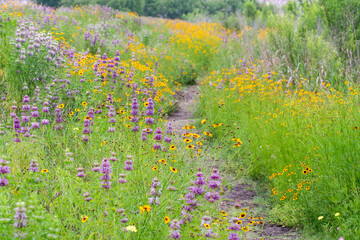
(237, 192)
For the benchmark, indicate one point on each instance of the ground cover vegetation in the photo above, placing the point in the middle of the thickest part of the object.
(86, 151)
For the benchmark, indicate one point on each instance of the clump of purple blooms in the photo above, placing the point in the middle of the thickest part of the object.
(112, 119)
(150, 112)
(105, 170)
(123, 215)
(155, 192)
(129, 164)
(86, 130)
(158, 135)
(87, 197)
(4, 169)
(169, 130)
(122, 178)
(135, 113)
(233, 228)
(113, 158)
(20, 215)
(175, 232)
(81, 173)
(34, 166)
(214, 183)
(96, 167)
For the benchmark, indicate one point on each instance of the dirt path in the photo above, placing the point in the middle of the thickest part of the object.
(236, 192)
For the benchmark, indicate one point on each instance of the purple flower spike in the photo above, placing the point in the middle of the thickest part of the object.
(3, 170)
(234, 236)
(105, 170)
(20, 215)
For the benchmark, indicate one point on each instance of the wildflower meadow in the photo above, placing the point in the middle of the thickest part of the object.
(115, 125)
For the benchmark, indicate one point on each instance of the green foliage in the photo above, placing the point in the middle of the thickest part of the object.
(311, 19)
(50, 3)
(343, 20)
(303, 52)
(250, 10)
(265, 12)
(289, 214)
(291, 7)
(231, 22)
(7, 24)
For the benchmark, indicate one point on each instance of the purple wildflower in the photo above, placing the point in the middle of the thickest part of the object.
(212, 196)
(174, 235)
(155, 194)
(80, 172)
(34, 166)
(122, 178)
(233, 236)
(20, 215)
(129, 164)
(169, 128)
(3, 170)
(105, 170)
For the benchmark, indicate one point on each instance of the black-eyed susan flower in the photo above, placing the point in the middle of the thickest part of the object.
(172, 147)
(84, 103)
(142, 209)
(166, 219)
(187, 140)
(77, 110)
(45, 170)
(206, 225)
(245, 229)
(154, 168)
(203, 121)
(174, 170)
(61, 106)
(84, 219)
(80, 72)
(163, 161)
(242, 215)
(190, 147)
(71, 113)
(208, 134)
(147, 208)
